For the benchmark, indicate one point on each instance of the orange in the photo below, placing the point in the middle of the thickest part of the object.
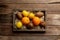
(25, 13)
(19, 24)
(25, 20)
(31, 15)
(36, 20)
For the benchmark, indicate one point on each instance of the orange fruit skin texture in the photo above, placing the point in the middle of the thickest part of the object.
(36, 20)
(25, 20)
(25, 13)
(31, 15)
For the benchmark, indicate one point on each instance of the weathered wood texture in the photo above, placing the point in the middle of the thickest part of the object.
(24, 1)
(28, 38)
(52, 19)
(28, 1)
(53, 25)
(52, 15)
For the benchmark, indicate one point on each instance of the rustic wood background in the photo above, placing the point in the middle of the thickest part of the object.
(52, 19)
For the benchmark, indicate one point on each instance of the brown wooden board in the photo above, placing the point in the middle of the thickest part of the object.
(41, 30)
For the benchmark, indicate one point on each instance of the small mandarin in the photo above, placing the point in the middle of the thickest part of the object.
(36, 20)
(18, 24)
(31, 15)
(25, 13)
(25, 20)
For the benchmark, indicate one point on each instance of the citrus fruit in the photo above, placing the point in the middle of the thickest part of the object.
(25, 13)
(19, 24)
(36, 20)
(39, 14)
(25, 20)
(31, 15)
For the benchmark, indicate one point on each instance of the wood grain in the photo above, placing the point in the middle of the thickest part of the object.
(53, 7)
(28, 37)
(24, 1)
(51, 29)
(52, 21)
(28, 1)
(52, 11)
(48, 7)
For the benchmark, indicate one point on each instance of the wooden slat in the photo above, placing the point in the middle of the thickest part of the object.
(53, 7)
(28, 6)
(31, 6)
(23, 1)
(50, 30)
(10, 6)
(8, 1)
(28, 37)
(53, 18)
(32, 1)
(48, 7)
(5, 11)
(28, 1)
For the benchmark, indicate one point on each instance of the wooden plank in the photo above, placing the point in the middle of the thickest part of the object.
(28, 37)
(53, 18)
(31, 6)
(6, 5)
(28, 1)
(32, 1)
(10, 7)
(28, 6)
(23, 1)
(5, 11)
(8, 1)
(50, 30)
(53, 7)
(48, 7)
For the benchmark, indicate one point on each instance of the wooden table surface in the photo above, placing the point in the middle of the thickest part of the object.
(52, 18)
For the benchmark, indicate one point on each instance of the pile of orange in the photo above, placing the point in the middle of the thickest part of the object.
(28, 17)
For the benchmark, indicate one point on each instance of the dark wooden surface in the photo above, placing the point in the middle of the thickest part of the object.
(29, 38)
(24, 1)
(52, 19)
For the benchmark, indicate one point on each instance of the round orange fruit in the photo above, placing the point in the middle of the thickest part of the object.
(19, 24)
(25, 13)
(31, 15)
(36, 20)
(25, 20)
